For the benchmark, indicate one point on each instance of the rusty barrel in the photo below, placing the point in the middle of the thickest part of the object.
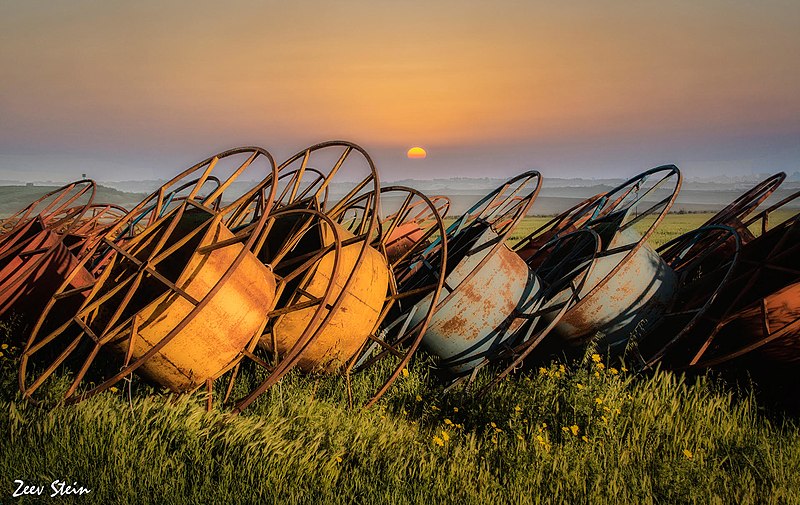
(402, 239)
(32, 273)
(217, 334)
(347, 326)
(635, 295)
(473, 318)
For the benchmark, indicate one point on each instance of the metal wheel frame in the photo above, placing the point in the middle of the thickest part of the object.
(689, 266)
(123, 250)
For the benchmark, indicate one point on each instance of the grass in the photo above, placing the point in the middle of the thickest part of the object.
(568, 432)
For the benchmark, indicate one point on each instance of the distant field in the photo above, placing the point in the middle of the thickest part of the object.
(15, 198)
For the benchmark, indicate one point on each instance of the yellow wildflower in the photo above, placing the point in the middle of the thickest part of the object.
(405, 372)
(596, 358)
(598, 400)
(493, 425)
(604, 419)
(565, 429)
(542, 370)
(579, 385)
(517, 408)
(600, 366)
(113, 389)
(4, 347)
(438, 441)
(338, 459)
(624, 369)
(574, 429)
(613, 371)
(434, 408)
(688, 453)
(445, 436)
(562, 369)
(418, 398)
(455, 409)
(448, 422)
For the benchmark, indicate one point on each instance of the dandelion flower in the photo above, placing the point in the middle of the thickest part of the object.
(688, 453)
(596, 358)
(418, 398)
(4, 347)
(448, 422)
(598, 400)
(405, 372)
(613, 371)
(562, 369)
(579, 385)
(113, 389)
(438, 441)
(542, 370)
(600, 366)
(574, 429)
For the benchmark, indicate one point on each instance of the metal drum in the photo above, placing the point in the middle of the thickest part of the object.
(351, 323)
(216, 335)
(633, 297)
(471, 321)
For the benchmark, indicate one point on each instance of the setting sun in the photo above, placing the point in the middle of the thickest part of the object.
(416, 153)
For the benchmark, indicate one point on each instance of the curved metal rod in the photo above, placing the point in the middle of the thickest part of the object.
(691, 271)
(152, 247)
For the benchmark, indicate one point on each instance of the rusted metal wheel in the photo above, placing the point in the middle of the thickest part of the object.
(485, 282)
(735, 215)
(418, 273)
(699, 284)
(55, 208)
(630, 286)
(563, 266)
(568, 221)
(176, 301)
(35, 253)
(758, 312)
(308, 334)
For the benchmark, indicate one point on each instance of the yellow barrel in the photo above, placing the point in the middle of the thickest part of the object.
(351, 323)
(219, 332)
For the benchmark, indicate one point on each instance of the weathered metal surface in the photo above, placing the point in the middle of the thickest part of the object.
(630, 286)
(32, 271)
(403, 239)
(735, 215)
(634, 296)
(347, 326)
(215, 336)
(757, 312)
(473, 321)
(568, 221)
(176, 291)
(699, 284)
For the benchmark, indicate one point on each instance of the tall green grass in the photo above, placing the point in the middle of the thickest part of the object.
(581, 433)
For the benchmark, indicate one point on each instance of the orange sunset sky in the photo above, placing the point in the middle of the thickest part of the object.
(131, 90)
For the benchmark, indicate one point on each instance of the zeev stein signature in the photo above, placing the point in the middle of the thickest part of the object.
(57, 488)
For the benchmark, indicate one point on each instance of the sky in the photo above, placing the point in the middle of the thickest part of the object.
(139, 90)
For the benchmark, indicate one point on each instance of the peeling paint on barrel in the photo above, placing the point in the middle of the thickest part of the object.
(474, 319)
(637, 294)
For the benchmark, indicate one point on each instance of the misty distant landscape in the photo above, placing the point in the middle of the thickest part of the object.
(556, 195)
